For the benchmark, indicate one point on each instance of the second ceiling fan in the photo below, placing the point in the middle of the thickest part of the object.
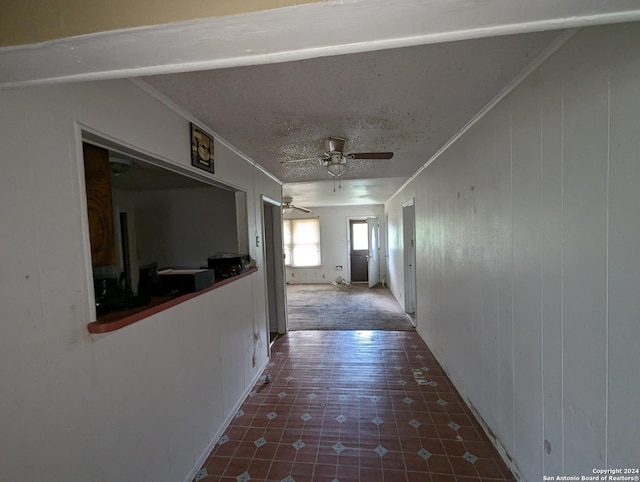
(288, 206)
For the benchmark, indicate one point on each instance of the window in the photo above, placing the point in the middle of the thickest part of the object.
(302, 242)
(359, 235)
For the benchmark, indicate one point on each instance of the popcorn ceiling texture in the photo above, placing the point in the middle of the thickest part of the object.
(408, 100)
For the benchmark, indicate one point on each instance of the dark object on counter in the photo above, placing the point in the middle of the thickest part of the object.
(111, 296)
(106, 291)
(227, 265)
(186, 280)
(149, 283)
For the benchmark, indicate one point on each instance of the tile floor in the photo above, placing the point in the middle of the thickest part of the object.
(354, 406)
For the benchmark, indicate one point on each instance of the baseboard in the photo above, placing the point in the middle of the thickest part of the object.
(506, 456)
(212, 443)
(324, 282)
(412, 319)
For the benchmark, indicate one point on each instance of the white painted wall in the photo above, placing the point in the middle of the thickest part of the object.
(183, 227)
(528, 268)
(396, 261)
(144, 402)
(334, 242)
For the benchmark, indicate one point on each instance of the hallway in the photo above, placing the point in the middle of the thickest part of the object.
(354, 406)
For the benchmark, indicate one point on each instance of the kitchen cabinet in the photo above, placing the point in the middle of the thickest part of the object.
(99, 205)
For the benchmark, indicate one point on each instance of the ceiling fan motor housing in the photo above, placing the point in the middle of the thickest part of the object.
(337, 158)
(336, 164)
(334, 145)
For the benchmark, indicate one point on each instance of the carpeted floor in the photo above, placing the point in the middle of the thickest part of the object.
(344, 307)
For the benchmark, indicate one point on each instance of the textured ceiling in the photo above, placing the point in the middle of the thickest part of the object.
(409, 100)
(277, 82)
(289, 77)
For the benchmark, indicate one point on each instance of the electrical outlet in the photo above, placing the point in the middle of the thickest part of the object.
(338, 267)
(202, 473)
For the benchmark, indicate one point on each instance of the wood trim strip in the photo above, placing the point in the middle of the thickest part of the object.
(131, 316)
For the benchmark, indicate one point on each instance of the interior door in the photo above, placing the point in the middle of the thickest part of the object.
(374, 251)
(409, 235)
(270, 270)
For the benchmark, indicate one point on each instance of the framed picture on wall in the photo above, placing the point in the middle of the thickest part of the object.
(201, 149)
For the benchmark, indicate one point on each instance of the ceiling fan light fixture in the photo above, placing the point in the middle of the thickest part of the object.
(335, 169)
(119, 165)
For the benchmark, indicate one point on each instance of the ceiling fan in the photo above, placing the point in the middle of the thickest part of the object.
(335, 160)
(288, 206)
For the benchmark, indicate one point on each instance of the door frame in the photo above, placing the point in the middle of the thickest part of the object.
(349, 220)
(274, 280)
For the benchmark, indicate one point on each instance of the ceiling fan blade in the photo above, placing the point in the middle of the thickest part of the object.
(370, 155)
(300, 208)
(301, 160)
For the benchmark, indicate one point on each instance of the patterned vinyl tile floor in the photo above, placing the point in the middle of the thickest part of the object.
(354, 406)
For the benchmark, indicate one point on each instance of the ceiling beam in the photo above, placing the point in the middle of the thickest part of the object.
(293, 33)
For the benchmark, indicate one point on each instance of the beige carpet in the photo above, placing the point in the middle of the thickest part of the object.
(344, 307)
